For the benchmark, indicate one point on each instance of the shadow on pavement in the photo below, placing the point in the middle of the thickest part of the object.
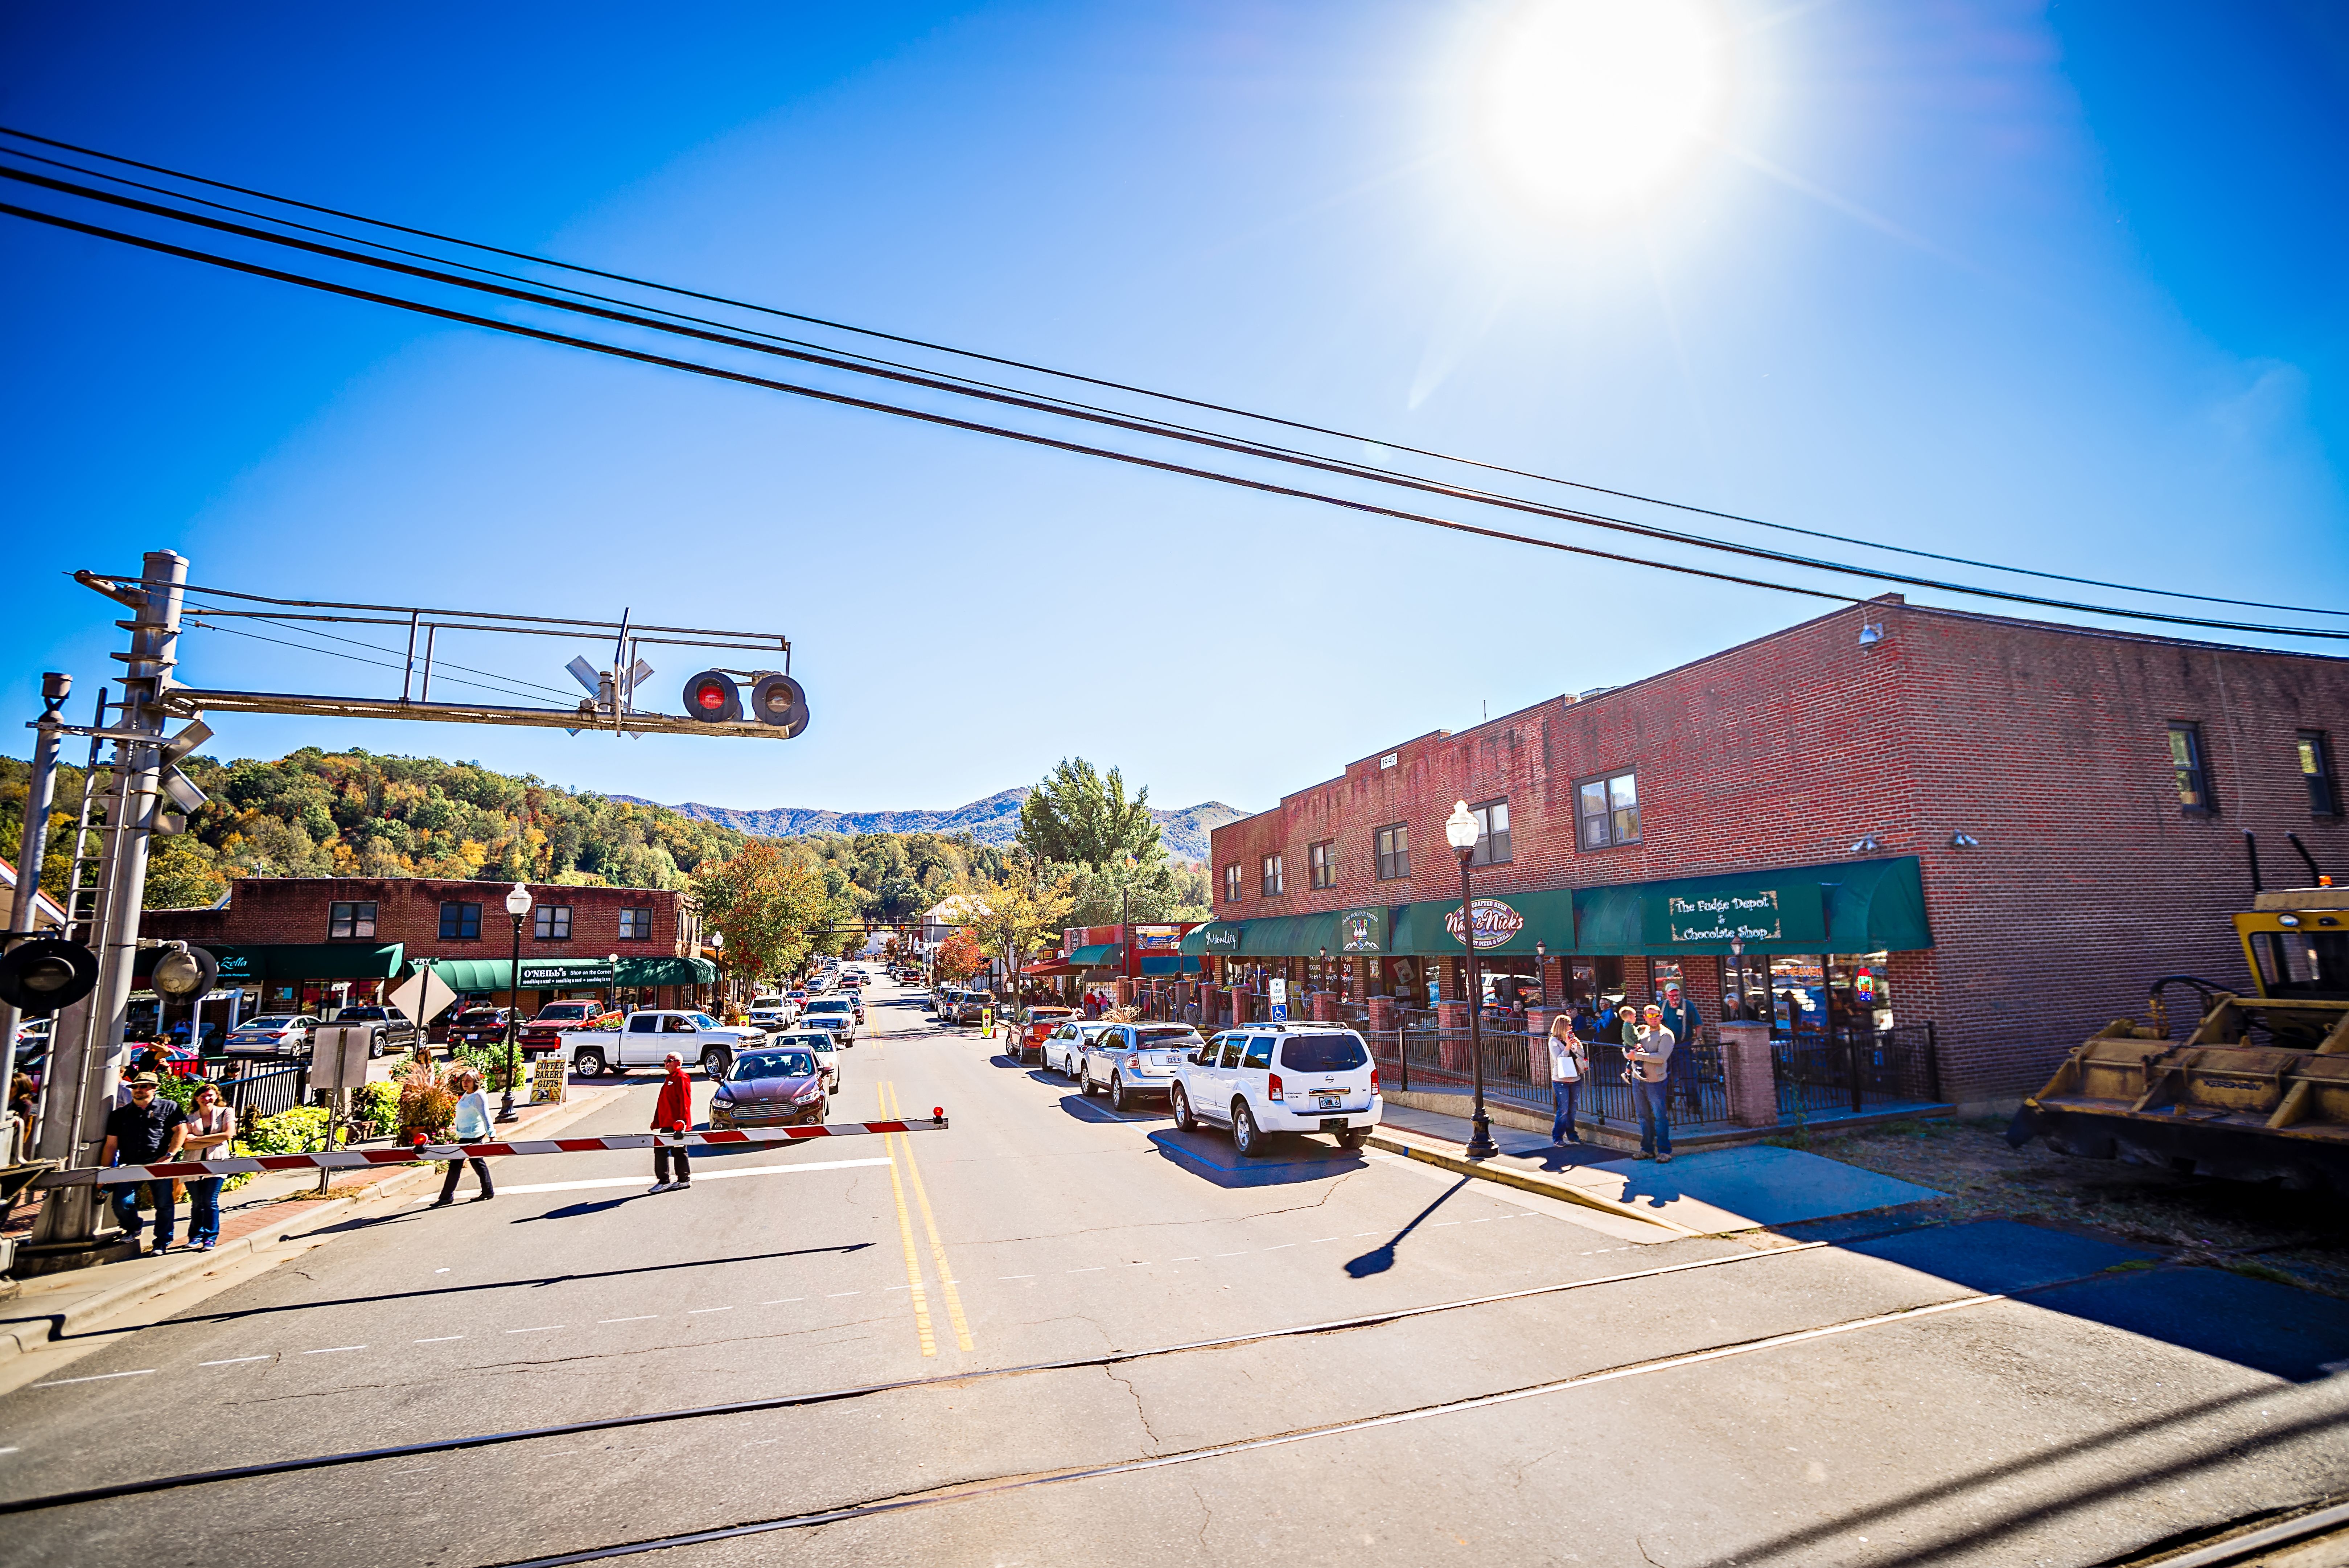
(1210, 1155)
(2272, 1328)
(1380, 1258)
(1074, 1103)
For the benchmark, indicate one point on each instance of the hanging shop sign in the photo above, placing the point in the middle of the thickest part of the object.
(1495, 922)
(1158, 939)
(1362, 930)
(1748, 912)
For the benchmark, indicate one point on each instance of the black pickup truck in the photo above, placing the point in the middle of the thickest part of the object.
(388, 1029)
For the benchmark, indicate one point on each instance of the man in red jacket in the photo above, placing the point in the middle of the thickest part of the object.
(672, 1112)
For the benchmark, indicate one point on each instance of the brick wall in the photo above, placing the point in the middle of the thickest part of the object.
(2047, 744)
(288, 910)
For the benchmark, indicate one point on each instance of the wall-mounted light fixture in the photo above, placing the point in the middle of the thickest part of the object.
(1872, 634)
(1964, 841)
(1867, 845)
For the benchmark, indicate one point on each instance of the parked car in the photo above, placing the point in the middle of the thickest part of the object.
(1266, 1080)
(771, 1088)
(1130, 1060)
(389, 1029)
(544, 1034)
(1040, 1022)
(478, 1026)
(272, 1035)
(1063, 1049)
(969, 1006)
(651, 1035)
(826, 1049)
(834, 1015)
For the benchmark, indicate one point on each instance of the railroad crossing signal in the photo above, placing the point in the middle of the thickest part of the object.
(777, 701)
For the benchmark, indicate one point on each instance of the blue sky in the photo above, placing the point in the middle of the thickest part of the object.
(2062, 285)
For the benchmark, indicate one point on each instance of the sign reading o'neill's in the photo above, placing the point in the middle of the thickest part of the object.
(1787, 915)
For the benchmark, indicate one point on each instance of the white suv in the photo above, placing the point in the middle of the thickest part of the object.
(1135, 1059)
(1278, 1079)
(834, 1015)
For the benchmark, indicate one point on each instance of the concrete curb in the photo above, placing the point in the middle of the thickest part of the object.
(37, 1329)
(1508, 1176)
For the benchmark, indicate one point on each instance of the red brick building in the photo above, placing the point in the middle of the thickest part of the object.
(309, 942)
(2011, 828)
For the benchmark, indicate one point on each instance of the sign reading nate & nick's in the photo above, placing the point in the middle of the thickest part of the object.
(1762, 915)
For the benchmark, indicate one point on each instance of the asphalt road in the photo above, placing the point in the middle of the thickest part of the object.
(1990, 1393)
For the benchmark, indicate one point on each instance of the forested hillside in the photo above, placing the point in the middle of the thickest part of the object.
(356, 814)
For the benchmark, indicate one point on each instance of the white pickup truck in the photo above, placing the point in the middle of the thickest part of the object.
(646, 1039)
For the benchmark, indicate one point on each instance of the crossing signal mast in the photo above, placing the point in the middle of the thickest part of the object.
(84, 976)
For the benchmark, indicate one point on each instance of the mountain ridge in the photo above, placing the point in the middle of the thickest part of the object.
(992, 821)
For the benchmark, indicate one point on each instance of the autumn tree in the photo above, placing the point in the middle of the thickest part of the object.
(769, 905)
(1013, 914)
(959, 957)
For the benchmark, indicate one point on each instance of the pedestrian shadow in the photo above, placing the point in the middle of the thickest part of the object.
(1380, 1258)
(579, 1211)
(1291, 1158)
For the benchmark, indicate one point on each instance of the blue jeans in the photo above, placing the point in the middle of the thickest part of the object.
(203, 1208)
(167, 1216)
(1563, 1128)
(1655, 1116)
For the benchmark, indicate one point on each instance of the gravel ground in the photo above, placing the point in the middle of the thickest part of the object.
(2291, 1238)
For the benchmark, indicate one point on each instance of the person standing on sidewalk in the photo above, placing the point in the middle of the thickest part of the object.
(672, 1112)
(1682, 1018)
(211, 1125)
(1566, 1063)
(1651, 1065)
(140, 1133)
(472, 1126)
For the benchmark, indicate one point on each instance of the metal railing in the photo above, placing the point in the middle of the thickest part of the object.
(1517, 1073)
(268, 1091)
(1854, 1071)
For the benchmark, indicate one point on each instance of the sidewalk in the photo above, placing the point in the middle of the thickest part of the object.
(1702, 1193)
(260, 1216)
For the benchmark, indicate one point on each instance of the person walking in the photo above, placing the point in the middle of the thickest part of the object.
(1566, 1064)
(211, 1125)
(1650, 1059)
(140, 1133)
(672, 1112)
(472, 1126)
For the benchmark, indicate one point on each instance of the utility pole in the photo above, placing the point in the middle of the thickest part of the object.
(40, 798)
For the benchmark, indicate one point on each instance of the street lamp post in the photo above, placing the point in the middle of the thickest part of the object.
(518, 906)
(1737, 967)
(1460, 832)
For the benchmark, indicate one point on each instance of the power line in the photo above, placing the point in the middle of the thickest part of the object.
(846, 400)
(1365, 470)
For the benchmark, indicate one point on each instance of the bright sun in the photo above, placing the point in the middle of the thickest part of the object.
(1589, 104)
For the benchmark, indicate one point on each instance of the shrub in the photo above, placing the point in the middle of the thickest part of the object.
(301, 1130)
(375, 1111)
(427, 1109)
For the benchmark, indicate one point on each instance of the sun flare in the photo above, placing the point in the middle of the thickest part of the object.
(1591, 103)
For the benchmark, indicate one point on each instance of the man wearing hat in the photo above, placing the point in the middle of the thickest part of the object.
(148, 1130)
(1649, 1064)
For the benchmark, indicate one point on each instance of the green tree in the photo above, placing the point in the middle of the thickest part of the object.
(183, 872)
(1079, 816)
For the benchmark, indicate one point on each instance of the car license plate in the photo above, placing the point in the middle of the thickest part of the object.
(1332, 1102)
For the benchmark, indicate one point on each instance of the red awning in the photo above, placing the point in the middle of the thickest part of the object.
(1052, 966)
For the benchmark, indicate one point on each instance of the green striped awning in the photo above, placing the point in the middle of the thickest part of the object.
(1099, 955)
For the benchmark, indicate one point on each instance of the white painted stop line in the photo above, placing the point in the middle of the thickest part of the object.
(698, 1176)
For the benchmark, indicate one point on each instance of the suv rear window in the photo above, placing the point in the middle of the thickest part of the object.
(1165, 1038)
(1323, 1054)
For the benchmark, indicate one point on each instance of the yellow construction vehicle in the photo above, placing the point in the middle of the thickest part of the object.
(2259, 1091)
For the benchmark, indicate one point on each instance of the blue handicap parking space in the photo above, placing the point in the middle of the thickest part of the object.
(1211, 1155)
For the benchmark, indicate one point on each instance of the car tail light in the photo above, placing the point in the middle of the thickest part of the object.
(1374, 1080)
(1274, 1089)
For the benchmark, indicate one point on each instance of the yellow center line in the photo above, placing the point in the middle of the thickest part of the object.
(912, 1262)
(930, 1222)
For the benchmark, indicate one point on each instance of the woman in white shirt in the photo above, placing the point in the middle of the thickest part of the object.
(472, 1127)
(211, 1125)
(1568, 1059)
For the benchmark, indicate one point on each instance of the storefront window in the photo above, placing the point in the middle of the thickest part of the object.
(1798, 998)
(1859, 996)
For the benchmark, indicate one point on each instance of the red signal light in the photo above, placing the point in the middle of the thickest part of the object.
(713, 696)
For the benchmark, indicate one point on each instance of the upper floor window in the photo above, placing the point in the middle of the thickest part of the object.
(1390, 846)
(350, 920)
(2316, 773)
(1321, 863)
(1492, 833)
(636, 925)
(461, 923)
(1232, 883)
(1271, 875)
(554, 922)
(1608, 808)
(2191, 772)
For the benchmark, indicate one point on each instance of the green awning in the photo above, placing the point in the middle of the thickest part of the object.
(1507, 925)
(464, 976)
(1099, 955)
(1855, 906)
(668, 971)
(1197, 942)
(256, 963)
(1273, 936)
